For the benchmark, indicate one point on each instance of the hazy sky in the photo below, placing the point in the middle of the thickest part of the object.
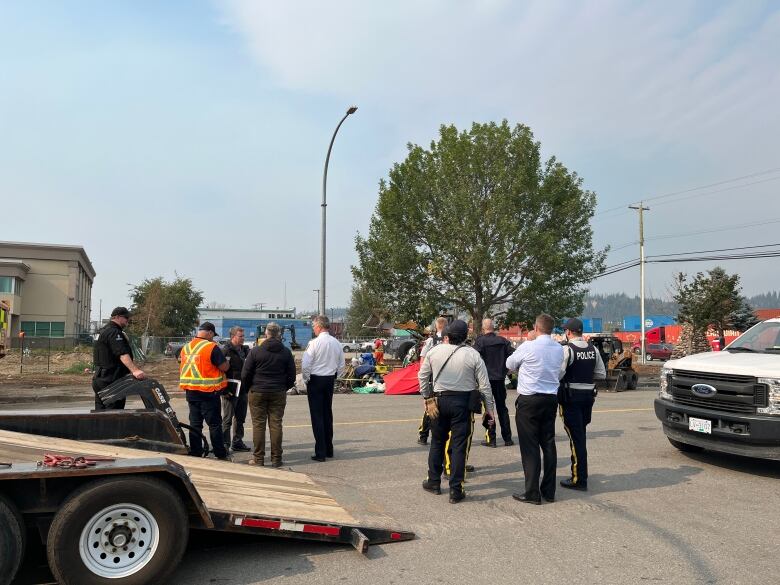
(189, 137)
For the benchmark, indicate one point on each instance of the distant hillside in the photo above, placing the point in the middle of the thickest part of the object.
(770, 300)
(613, 307)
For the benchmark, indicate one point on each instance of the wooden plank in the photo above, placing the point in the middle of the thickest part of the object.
(224, 486)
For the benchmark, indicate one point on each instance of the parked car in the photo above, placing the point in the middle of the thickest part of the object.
(173, 348)
(357, 346)
(658, 351)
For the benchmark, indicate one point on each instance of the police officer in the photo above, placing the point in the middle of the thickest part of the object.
(234, 397)
(582, 364)
(113, 357)
(435, 339)
(494, 350)
(201, 376)
(448, 375)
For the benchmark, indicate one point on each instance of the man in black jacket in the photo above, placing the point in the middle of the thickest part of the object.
(269, 371)
(234, 397)
(113, 357)
(494, 350)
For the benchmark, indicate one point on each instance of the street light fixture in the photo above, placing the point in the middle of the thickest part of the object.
(321, 296)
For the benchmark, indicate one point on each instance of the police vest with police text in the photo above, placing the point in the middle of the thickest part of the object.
(582, 364)
(197, 372)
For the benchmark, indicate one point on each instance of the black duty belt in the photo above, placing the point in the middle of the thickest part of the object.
(452, 393)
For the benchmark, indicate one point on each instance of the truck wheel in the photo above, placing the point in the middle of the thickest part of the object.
(648, 357)
(346, 349)
(119, 531)
(685, 447)
(12, 540)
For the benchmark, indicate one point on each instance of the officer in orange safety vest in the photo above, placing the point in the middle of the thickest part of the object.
(201, 375)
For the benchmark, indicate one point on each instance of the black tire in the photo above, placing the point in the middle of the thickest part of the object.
(157, 498)
(346, 349)
(648, 357)
(632, 381)
(13, 538)
(685, 447)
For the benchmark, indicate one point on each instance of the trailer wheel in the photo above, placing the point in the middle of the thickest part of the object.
(12, 540)
(118, 531)
(685, 447)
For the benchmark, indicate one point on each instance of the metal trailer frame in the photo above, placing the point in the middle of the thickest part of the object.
(38, 491)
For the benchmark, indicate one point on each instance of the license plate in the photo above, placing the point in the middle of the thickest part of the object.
(700, 425)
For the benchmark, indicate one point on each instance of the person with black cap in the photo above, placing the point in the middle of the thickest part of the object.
(113, 357)
(201, 375)
(451, 375)
(582, 364)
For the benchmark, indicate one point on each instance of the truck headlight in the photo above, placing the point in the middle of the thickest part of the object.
(773, 385)
(666, 376)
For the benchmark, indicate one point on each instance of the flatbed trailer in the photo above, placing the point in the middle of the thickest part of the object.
(114, 515)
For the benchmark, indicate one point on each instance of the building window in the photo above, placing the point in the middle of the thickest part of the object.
(272, 316)
(10, 285)
(43, 328)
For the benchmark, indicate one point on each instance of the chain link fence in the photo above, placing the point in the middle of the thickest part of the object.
(70, 354)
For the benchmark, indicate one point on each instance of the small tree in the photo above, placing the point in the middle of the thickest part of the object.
(711, 300)
(167, 309)
(743, 318)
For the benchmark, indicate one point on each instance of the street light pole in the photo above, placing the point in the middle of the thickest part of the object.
(321, 297)
(318, 298)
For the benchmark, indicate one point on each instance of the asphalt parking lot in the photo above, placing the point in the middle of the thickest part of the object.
(652, 514)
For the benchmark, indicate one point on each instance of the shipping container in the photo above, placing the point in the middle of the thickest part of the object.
(634, 322)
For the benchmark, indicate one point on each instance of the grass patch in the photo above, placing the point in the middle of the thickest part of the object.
(78, 368)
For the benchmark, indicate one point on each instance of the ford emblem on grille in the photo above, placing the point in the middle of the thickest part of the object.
(704, 390)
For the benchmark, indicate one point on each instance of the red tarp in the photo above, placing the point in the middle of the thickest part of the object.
(403, 381)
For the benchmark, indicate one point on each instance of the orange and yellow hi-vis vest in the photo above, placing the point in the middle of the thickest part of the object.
(196, 371)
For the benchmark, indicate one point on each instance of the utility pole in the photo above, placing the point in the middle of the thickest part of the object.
(318, 300)
(641, 208)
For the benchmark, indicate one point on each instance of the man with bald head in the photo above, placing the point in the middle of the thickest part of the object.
(494, 350)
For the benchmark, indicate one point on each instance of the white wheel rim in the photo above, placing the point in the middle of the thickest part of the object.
(119, 541)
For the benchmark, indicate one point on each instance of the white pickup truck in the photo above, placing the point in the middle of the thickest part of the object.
(726, 401)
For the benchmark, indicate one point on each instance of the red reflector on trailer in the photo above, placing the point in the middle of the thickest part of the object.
(253, 523)
(395, 536)
(315, 529)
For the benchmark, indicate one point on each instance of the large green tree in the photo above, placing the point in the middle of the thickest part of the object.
(479, 222)
(165, 309)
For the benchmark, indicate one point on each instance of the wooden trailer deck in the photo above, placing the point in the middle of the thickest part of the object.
(226, 487)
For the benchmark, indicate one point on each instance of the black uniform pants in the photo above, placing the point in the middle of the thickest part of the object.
(207, 410)
(234, 407)
(535, 419)
(502, 413)
(319, 392)
(99, 384)
(454, 417)
(576, 414)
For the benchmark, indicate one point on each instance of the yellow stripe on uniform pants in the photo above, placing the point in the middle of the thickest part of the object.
(571, 446)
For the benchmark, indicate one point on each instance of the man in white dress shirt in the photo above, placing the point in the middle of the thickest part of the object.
(538, 363)
(323, 361)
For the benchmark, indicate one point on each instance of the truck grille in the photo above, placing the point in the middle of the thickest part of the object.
(738, 394)
(708, 403)
(707, 377)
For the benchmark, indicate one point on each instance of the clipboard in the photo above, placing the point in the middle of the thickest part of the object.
(237, 384)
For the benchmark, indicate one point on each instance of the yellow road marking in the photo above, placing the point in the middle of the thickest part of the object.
(417, 420)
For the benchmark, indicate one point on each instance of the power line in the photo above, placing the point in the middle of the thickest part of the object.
(699, 188)
(717, 229)
(719, 250)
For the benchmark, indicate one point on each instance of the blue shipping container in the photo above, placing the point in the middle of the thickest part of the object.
(589, 324)
(634, 322)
